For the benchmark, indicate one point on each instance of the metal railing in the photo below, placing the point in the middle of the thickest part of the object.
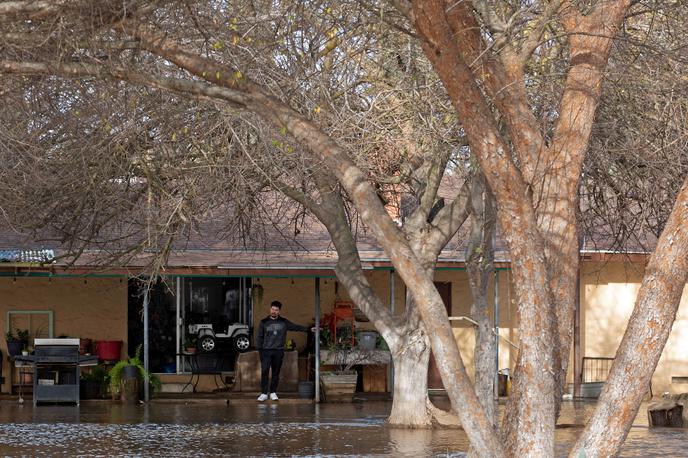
(596, 369)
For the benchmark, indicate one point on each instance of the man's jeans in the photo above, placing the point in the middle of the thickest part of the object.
(270, 360)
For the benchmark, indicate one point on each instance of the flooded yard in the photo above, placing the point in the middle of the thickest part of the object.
(252, 429)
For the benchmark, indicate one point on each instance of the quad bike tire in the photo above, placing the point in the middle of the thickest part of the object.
(207, 343)
(241, 343)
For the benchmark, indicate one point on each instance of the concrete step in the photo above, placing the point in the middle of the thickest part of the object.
(174, 387)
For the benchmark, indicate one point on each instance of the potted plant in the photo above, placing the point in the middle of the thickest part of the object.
(93, 383)
(190, 345)
(337, 385)
(23, 336)
(126, 375)
(340, 385)
(16, 342)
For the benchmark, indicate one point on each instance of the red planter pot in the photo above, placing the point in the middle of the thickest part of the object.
(109, 350)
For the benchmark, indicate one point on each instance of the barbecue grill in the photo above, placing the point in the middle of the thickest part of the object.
(56, 369)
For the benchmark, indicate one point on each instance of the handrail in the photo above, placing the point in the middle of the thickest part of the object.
(475, 323)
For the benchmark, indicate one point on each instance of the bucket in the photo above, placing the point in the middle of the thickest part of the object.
(15, 348)
(109, 350)
(367, 340)
(306, 390)
(130, 372)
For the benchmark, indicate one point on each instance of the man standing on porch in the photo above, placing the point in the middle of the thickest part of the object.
(272, 336)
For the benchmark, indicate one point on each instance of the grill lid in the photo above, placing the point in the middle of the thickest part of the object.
(58, 341)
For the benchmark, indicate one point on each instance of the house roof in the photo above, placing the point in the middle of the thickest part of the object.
(207, 247)
(211, 244)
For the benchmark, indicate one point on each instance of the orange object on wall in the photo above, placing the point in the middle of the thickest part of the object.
(344, 317)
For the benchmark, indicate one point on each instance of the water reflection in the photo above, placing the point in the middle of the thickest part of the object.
(189, 429)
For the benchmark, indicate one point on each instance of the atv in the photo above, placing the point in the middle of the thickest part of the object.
(208, 337)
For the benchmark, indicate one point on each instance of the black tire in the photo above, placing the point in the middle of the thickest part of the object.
(206, 343)
(241, 343)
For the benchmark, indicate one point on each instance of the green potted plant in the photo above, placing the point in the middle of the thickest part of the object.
(126, 375)
(16, 342)
(93, 383)
(190, 345)
(23, 336)
(337, 385)
(340, 385)
(14, 346)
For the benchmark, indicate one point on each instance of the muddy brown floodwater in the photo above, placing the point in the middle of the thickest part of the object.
(252, 429)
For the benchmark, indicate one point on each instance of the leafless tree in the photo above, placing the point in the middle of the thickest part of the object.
(531, 148)
(184, 159)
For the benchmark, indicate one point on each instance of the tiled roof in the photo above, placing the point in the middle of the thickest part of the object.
(212, 245)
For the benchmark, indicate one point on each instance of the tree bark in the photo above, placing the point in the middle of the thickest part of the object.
(647, 332)
(480, 265)
(533, 413)
(405, 336)
(411, 359)
(591, 39)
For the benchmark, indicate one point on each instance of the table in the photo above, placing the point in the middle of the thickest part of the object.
(210, 363)
(25, 369)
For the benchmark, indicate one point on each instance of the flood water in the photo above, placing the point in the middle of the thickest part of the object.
(248, 429)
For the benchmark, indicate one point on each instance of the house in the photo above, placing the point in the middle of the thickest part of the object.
(49, 296)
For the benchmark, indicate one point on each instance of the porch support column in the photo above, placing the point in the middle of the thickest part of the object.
(177, 325)
(317, 340)
(496, 325)
(392, 302)
(146, 386)
(577, 369)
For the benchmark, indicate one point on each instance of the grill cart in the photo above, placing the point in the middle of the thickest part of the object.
(56, 369)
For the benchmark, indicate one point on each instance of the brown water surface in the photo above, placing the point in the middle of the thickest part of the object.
(271, 429)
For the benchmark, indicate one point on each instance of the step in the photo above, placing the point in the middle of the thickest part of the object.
(176, 387)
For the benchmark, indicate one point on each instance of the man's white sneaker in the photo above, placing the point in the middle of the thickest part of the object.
(273, 397)
(263, 397)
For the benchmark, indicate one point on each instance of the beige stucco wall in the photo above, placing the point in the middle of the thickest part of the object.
(93, 308)
(97, 308)
(608, 293)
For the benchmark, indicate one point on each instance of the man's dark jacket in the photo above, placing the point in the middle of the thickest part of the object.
(272, 334)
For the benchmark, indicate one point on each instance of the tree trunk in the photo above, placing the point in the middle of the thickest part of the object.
(647, 332)
(485, 363)
(480, 265)
(411, 360)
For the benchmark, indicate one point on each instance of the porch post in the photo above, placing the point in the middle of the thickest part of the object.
(392, 302)
(496, 325)
(317, 340)
(146, 394)
(177, 325)
(577, 367)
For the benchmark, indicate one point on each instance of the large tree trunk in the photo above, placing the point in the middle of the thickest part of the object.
(480, 265)
(485, 363)
(647, 332)
(455, 53)
(411, 359)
